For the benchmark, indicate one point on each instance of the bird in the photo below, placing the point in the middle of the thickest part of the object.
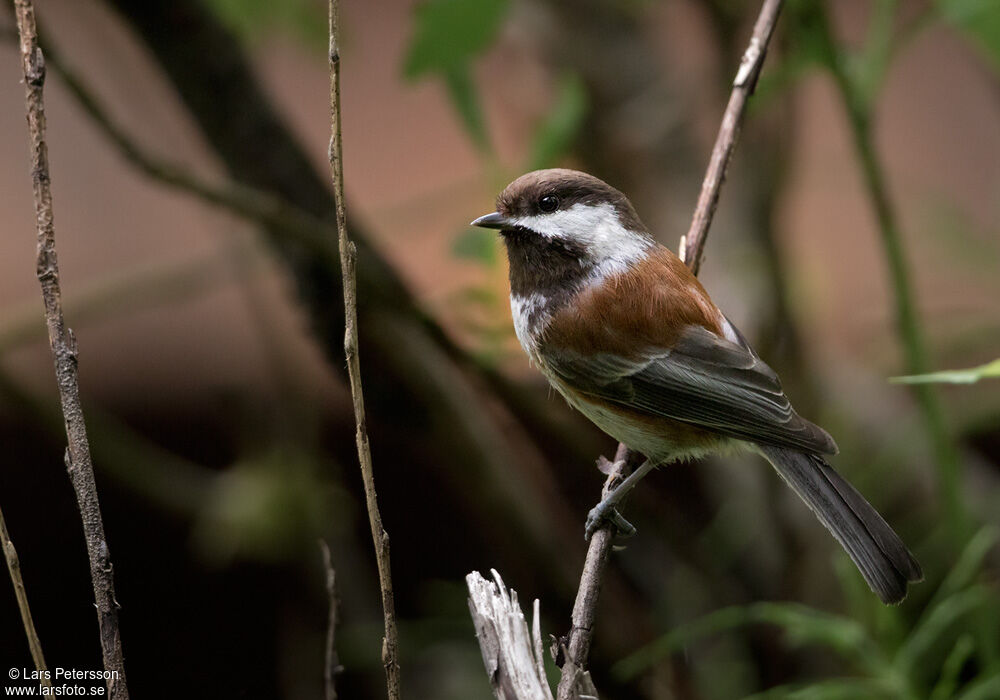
(626, 333)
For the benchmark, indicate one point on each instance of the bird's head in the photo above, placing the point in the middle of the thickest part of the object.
(562, 226)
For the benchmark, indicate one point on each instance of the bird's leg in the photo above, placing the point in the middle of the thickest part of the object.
(607, 509)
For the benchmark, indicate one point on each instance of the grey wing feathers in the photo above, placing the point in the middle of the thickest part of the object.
(705, 380)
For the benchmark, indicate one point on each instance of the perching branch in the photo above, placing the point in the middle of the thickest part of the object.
(14, 567)
(64, 352)
(691, 247)
(693, 243)
(577, 642)
(348, 254)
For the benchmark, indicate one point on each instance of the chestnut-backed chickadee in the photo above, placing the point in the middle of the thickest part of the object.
(627, 334)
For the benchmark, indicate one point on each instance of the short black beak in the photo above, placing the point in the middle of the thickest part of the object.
(494, 220)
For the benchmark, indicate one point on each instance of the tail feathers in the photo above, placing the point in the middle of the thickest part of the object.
(875, 549)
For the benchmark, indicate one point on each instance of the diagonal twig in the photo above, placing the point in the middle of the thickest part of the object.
(693, 243)
(14, 568)
(348, 254)
(251, 203)
(64, 353)
(691, 247)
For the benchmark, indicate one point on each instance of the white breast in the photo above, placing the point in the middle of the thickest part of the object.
(531, 315)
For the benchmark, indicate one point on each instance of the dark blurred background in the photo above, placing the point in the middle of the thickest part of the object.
(214, 384)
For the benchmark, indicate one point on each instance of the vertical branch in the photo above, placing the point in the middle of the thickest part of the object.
(348, 252)
(691, 248)
(64, 352)
(907, 319)
(331, 666)
(14, 567)
(577, 644)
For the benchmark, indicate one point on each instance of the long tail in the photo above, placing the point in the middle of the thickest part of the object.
(875, 549)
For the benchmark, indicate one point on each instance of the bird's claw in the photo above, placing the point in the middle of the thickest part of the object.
(605, 512)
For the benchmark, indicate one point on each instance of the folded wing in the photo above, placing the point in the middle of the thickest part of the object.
(705, 380)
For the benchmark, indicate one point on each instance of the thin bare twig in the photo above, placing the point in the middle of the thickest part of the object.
(348, 254)
(693, 243)
(64, 353)
(691, 247)
(14, 567)
(331, 665)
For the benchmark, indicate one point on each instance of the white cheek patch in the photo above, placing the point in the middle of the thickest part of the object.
(611, 247)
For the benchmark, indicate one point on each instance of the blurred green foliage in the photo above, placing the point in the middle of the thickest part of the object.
(448, 36)
(269, 507)
(553, 138)
(256, 19)
(556, 133)
(980, 20)
(949, 651)
(952, 648)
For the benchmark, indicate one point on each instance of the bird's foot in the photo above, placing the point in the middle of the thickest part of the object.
(606, 512)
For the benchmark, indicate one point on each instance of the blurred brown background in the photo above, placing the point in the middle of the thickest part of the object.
(215, 392)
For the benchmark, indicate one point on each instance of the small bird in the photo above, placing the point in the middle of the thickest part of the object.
(628, 335)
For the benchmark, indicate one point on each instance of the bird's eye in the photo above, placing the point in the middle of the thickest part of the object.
(548, 203)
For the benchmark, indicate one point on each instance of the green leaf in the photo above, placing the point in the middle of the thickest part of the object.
(557, 132)
(969, 563)
(450, 33)
(476, 244)
(980, 20)
(802, 624)
(465, 100)
(954, 376)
